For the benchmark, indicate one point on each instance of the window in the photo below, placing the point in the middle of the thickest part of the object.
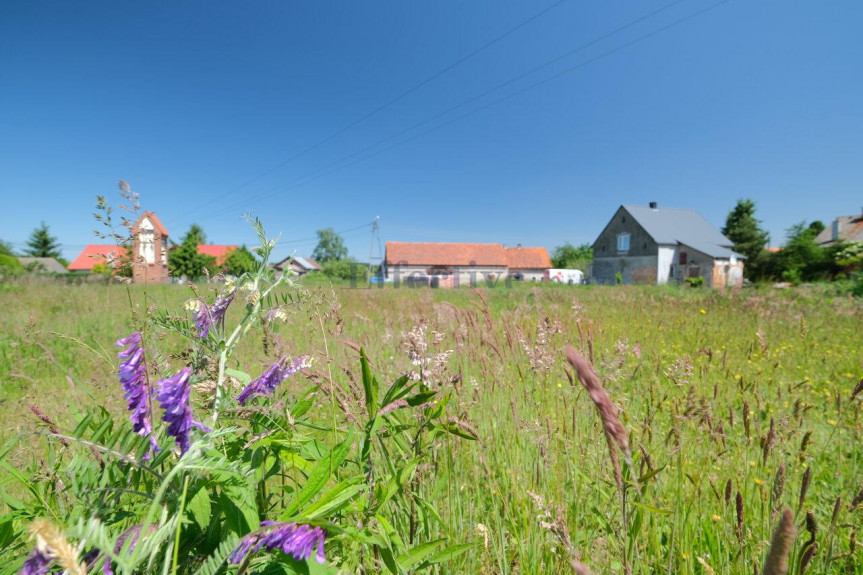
(623, 242)
(683, 258)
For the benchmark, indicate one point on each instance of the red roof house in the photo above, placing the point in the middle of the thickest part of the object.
(94, 254)
(221, 253)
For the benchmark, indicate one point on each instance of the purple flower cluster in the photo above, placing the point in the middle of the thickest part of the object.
(131, 533)
(205, 316)
(268, 381)
(133, 379)
(37, 563)
(291, 538)
(173, 396)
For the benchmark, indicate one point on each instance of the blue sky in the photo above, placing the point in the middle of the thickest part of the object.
(213, 109)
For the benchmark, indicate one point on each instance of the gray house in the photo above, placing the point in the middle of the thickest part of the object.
(648, 244)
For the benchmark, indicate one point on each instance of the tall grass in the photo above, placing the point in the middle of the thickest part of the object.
(720, 393)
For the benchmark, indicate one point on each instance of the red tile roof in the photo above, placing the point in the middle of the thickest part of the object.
(218, 252)
(94, 254)
(527, 258)
(157, 225)
(441, 254)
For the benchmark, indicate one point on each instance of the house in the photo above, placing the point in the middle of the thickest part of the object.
(455, 264)
(297, 264)
(43, 265)
(96, 254)
(149, 252)
(843, 229)
(656, 245)
(527, 264)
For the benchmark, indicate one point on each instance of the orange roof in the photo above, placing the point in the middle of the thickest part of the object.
(157, 225)
(448, 254)
(94, 254)
(218, 252)
(527, 258)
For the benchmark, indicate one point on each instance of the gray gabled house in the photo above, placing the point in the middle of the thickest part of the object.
(649, 244)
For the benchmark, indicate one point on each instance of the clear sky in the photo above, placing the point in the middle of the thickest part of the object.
(513, 121)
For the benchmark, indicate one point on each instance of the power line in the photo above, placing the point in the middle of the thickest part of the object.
(316, 174)
(388, 103)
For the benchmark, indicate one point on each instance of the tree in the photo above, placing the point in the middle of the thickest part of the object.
(331, 246)
(570, 257)
(6, 249)
(745, 233)
(240, 261)
(802, 259)
(185, 261)
(42, 244)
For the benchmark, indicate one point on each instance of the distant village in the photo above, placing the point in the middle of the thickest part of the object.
(639, 244)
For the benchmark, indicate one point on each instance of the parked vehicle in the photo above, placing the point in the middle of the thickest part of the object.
(571, 277)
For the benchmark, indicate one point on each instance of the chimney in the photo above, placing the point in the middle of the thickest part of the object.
(654, 206)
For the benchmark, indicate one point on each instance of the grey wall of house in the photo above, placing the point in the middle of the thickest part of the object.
(633, 269)
(637, 264)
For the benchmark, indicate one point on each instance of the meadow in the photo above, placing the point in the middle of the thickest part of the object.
(737, 405)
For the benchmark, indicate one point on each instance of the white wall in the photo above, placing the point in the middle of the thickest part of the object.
(666, 258)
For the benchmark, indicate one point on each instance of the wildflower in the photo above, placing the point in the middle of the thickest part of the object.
(37, 563)
(205, 316)
(291, 538)
(173, 396)
(715, 517)
(268, 381)
(133, 379)
(702, 311)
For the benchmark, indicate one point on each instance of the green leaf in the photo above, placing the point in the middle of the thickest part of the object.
(370, 385)
(397, 390)
(335, 497)
(319, 476)
(241, 376)
(417, 554)
(199, 507)
(454, 429)
(447, 554)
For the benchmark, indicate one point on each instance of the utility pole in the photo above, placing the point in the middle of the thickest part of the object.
(375, 233)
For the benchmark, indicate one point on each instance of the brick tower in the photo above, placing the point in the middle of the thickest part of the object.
(149, 250)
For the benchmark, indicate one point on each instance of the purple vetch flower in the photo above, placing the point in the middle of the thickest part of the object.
(268, 381)
(173, 396)
(132, 533)
(133, 379)
(205, 316)
(292, 539)
(37, 563)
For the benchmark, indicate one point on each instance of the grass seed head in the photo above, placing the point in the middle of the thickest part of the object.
(780, 546)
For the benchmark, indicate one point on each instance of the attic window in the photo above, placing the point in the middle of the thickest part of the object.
(623, 242)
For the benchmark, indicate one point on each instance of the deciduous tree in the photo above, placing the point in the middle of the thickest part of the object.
(330, 246)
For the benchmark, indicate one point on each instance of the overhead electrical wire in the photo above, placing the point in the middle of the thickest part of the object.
(388, 103)
(324, 170)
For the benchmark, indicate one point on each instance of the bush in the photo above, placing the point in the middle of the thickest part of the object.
(10, 266)
(695, 282)
(346, 269)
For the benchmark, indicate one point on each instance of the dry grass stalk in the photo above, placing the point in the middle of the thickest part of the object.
(769, 441)
(807, 557)
(858, 499)
(615, 433)
(780, 546)
(51, 542)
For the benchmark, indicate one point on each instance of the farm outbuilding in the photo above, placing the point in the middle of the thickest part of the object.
(462, 264)
(648, 244)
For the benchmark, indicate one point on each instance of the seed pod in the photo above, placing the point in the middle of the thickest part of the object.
(777, 558)
(804, 487)
(727, 492)
(778, 484)
(738, 500)
(807, 557)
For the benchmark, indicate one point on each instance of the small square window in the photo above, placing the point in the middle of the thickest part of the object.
(623, 243)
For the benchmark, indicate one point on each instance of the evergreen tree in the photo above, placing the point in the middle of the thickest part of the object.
(6, 249)
(330, 246)
(185, 261)
(42, 244)
(745, 233)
